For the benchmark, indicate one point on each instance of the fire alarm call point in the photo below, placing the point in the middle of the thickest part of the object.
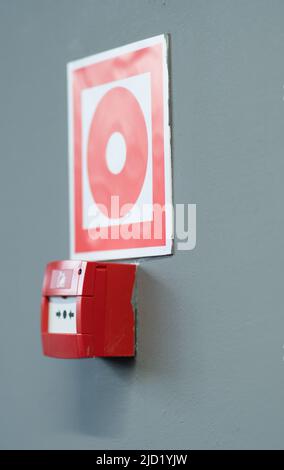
(87, 309)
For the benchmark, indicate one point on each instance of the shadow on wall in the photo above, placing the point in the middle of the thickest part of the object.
(102, 395)
(105, 387)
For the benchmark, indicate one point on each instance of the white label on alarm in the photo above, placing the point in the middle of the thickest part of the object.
(62, 315)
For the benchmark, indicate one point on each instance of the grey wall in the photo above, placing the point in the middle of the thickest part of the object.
(209, 373)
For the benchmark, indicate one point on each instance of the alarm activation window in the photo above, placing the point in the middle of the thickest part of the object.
(62, 315)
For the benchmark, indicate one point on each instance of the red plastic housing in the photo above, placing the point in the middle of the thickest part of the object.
(104, 318)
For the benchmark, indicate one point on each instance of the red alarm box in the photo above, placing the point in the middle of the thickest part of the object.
(87, 310)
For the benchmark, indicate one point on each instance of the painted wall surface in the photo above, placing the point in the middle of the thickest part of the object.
(209, 373)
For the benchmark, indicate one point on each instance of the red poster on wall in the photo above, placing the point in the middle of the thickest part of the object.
(119, 153)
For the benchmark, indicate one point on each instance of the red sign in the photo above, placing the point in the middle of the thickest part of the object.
(119, 153)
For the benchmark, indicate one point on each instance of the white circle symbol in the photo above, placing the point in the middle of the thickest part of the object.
(116, 153)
